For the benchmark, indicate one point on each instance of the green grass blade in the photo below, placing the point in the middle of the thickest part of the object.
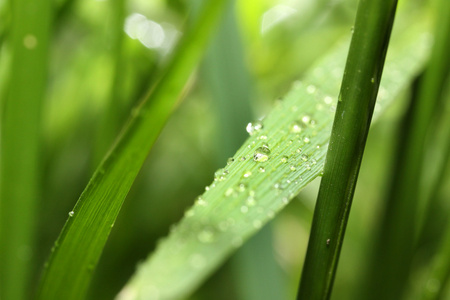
(396, 240)
(246, 194)
(20, 144)
(365, 62)
(82, 239)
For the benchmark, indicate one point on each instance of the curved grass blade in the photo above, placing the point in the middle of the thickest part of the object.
(79, 246)
(29, 36)
(283, 154)
(364, 67)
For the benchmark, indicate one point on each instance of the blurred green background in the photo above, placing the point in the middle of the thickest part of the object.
(104, 57)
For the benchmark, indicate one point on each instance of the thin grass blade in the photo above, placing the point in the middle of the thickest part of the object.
(79, 246)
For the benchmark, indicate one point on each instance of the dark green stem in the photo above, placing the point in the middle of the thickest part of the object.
(358, 93)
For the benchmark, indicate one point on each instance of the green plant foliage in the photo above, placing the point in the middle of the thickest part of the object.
(285, 151)
(94, 215)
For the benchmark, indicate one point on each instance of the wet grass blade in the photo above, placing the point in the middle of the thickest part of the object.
(69, 270)
(28, 36)
(284, 153)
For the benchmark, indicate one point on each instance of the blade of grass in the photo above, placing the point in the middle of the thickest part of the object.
(246, 194)
(20, 144)
(365, 62)
(69, 270)
(394, 249)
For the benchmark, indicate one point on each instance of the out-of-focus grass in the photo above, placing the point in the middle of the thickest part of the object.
(184, 157)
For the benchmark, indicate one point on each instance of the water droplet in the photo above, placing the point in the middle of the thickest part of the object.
(71, 213)
(229, 192)
(372, 80)
(284, 159)
(304, 157)
(242, 158)
(242, 187)
(30, 41)
(206, 236)
(244, 209)
(299, 150)
(262, 169)
(257, 224)
(200, 201)
(247, 174)
(328, 242)
(306, 119)
(310, 89)
(261, 154)
(262, 137)
(285, 200)
(328, 100)
(292, 168)
(254, 127)
(295, 127)
(230, 161)
(306, 139)
(251, 201)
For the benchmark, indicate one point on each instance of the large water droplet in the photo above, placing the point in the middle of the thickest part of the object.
(254, 127)
(71, 213)
(261, 154)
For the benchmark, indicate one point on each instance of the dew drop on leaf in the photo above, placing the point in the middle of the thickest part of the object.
(295, 127)
(71, 213)
(261, 154)
(206, 236)
(254, 127)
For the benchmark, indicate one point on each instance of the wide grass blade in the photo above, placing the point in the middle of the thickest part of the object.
(79, 246)
(284, 153)
(28, 35)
